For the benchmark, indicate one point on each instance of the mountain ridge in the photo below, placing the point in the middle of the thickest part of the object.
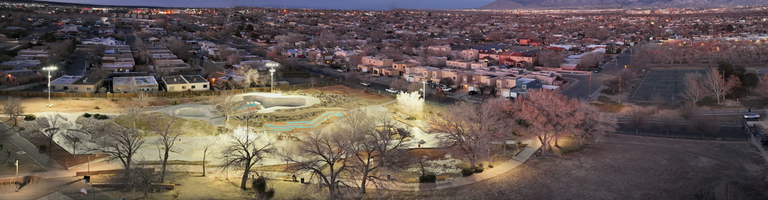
(521, 4)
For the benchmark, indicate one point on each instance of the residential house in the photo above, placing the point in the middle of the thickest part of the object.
(458, 64)
(504, 84)
(20, 77)
(517, 59)
(64, 83)
(134, 84)
(469, 55)
(523, 85)
(369, 62)
(86, 85)
(400, 66)
(179, 83)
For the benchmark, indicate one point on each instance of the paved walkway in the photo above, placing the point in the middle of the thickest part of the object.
(46, 162)
(488, 173)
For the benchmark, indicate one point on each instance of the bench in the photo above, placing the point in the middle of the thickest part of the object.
(442, 177)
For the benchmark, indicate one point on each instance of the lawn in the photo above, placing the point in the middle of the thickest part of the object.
(190, 127)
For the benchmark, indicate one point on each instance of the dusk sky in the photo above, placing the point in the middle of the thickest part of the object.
(325, 4)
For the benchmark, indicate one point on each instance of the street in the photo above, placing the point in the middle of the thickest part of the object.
(580, 89)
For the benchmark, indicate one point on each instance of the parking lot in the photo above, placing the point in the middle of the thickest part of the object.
(663, 84)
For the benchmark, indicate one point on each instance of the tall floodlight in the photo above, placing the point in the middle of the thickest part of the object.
(272, 66)
(49, 69)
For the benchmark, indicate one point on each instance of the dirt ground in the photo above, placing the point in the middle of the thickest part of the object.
(626, 167)
(193, 186)
(344, 90)
(35, 105)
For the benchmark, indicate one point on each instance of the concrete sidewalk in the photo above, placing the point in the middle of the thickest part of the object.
(46, 162)
(504, 167)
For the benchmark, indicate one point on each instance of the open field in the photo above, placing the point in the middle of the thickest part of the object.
(626, 167)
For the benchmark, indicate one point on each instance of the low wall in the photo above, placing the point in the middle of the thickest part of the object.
(30, 94)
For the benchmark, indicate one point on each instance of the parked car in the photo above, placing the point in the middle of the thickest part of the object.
(392, 90)
(341, 70)
(366, 84)
(752, 116)
(597, 70)
(446, 89)
(472, 92)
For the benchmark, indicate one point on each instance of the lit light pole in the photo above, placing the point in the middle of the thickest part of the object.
(16, 160)
(49, 69)
(272, 66)
(424, 89)
(89, 164)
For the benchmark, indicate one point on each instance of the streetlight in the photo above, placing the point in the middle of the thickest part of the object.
(16, 160)
(424, 89)
(272, 66)
(49, 69)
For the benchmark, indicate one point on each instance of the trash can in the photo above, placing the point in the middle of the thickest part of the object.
(302, 179)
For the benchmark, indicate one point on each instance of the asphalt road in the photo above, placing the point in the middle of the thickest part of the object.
(580, 89)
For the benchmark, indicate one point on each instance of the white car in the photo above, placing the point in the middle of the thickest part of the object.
(446, 89)
(752, 116)
(366, 84)
(392, 90)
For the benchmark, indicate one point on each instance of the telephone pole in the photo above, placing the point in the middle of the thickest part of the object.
(619, 90)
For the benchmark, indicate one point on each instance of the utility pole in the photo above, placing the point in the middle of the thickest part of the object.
(738, 117)
(590, 86)
(619, 90)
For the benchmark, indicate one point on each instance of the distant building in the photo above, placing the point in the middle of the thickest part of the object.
(134, 84)
(180, 83)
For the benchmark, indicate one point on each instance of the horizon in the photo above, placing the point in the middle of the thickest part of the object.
(309, 4)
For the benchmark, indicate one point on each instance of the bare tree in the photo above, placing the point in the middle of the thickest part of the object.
(13, 108)
(243, 149)
(548, 115)
(226, 104)
(668, 124)
(249, 74)
(414, 87)
(51, 126)
(75, 138)
(595, 123)
(142, 98)
(471, 127)
(550, 58)
(694, 90)
(120, 143)
(326, 155)
(716, 84)
(637, 118)
(590, 59)
(762, 85)
(703, 126)
(399, 84)
(207, 145)
(169, 132)
(374, 146)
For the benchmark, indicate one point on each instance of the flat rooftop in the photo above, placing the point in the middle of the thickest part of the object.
(195, 79)
(139, 80)
(66, 79)
(178, 79)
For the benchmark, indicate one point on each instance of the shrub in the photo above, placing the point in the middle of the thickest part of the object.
(30, 117)
(96, 107)
(96, 115)
(467, 172)
(490, 165)
(479, 169)
(101, 116)
(411, 118)
(43, 148)
(86, 115)
(260, 185)
(175, 103)
(427, 178)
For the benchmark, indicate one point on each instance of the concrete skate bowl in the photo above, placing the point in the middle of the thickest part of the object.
(192, 112)
(267, 102)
